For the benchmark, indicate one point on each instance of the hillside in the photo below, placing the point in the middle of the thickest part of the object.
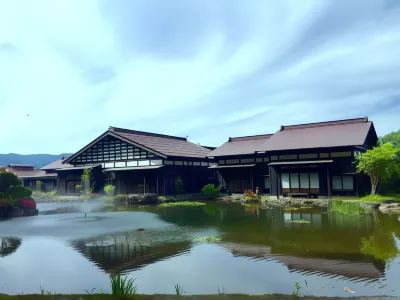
(38, 160)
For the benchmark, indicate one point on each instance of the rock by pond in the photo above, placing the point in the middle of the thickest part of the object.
(389, 207)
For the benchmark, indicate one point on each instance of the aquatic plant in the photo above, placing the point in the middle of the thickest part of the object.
(265, 198)
(121, 197)
(302, 221)
(161, 199)
(346, 208)
(297, 287)
(178, 289)
(209, 239)
(185, 203)
(211, 191)
(221, 292)
(122, 286)
(380, 198)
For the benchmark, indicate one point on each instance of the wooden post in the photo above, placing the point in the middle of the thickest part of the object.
(157, 186)
(328, 182)
(252, 181)
(270, 182)
(165, 189)
(144, 184)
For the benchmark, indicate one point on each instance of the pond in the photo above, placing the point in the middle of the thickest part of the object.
(219, 246)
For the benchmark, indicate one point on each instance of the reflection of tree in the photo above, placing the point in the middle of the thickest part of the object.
(9, 245)
(381, 245)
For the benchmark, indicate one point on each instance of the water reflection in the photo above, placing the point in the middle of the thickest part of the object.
(349, 246)
(9, 245)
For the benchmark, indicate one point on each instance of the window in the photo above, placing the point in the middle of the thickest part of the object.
(343, 182)
(267, 182)
(221, 162)
(285, 181)
(178, 163)
(308, 155)
(143, 163)
(266, 159)
(204, 164)
(156, 162)
(232, 161)
(109, 165)
(341, 154)
(288, 157)
(259, 159)
(323, 155)
(294, 180)
(314, 181)
(274, 157)
(196, 163)
(168, 162)
(247, 160)
(120, 164)
(131, 163)
(304, 181)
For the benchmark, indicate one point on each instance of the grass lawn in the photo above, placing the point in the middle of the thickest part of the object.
(369, 198)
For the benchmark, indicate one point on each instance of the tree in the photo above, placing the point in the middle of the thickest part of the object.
(87, 181)
(7, 180)
(379, 163)
(393, 137)
(109, 190)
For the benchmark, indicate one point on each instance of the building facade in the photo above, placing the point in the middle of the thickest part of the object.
(139, 162)
(311, 160)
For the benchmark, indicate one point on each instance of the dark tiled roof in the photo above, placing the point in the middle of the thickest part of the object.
(240, 145)
(58, 164)
(163, 144)
(341, 133)
(21, 166)
(37, 174)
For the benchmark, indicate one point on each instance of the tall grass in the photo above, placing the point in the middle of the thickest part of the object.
(346, 208)
(178, 289)
(380, 198)
(122, 286)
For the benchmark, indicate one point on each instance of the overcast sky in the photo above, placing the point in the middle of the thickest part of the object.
(206, 69)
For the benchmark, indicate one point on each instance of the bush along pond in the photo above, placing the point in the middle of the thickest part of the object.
(15, 199)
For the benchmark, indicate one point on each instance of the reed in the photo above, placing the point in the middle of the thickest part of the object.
(122, 286)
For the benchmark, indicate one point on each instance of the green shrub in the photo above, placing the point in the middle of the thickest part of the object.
(161, 199)
(78, 188)
(379, 198)
(264, 198)
(18, 192)
(121, 197)
(250, 196)
(109, 189)
(211, 191)
(39, 185)
(53, 194)
(179, 186)
(185, 203)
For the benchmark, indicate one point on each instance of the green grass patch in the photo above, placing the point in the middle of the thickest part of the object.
(380, 198)
(185, 203)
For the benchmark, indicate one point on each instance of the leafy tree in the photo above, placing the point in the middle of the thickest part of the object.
(39, 185)
(87, 180)
(211, 191)
(109, 190)
(179, 186)
(393, 137)
(7, 180)
(379, 163)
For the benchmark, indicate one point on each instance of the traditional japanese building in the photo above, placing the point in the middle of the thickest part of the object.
(139, 162)
(315, 159)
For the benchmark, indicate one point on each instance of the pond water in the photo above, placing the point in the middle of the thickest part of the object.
(255, 250)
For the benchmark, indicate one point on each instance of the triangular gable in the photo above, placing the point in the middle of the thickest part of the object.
(110, 148)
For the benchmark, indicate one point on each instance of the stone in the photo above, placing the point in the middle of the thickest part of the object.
(142, 198)
(388, 201)
(389, 207)
(370, 205)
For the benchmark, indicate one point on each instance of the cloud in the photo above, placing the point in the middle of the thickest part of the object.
(206, 69)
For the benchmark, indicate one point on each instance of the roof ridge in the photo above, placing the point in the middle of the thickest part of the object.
(122, 130)
(325, 123)
(250, 137)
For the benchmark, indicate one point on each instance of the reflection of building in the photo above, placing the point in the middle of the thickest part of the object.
(121, 252)
(313, 159)
(309, 265)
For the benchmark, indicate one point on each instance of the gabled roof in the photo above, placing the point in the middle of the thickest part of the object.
(342, 133)
(240, 145)
(160, 144)
(57, 164)
(21, 166)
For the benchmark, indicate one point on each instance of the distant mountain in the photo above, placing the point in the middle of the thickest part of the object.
(38, 160)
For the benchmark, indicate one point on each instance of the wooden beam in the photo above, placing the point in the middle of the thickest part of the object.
(157, 186)
(329, 182)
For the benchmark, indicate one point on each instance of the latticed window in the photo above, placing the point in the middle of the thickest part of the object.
(112, 149)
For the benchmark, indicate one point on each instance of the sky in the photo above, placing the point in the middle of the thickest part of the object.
(205, 69)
